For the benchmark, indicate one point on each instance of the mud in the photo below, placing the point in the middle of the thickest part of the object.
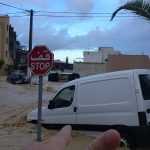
(15, 102)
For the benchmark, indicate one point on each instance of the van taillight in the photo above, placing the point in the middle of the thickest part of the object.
(142, 118)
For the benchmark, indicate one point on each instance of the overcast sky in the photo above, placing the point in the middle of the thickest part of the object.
(70, 36)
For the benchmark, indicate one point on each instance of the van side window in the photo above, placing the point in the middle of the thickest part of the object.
(145, 86)
(64, 98)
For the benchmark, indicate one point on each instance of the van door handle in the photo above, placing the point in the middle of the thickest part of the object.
(75, 109)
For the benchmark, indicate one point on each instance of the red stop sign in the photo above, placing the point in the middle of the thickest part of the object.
(40, 60)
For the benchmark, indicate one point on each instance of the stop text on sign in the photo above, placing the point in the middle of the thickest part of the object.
(39, 65)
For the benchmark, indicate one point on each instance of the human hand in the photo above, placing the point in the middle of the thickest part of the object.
(109, 140)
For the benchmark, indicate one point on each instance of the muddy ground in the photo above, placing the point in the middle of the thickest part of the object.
(15, 102)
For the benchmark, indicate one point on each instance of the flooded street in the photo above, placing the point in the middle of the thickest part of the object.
(15, 102)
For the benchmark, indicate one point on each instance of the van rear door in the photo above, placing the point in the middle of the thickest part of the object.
(144, 79)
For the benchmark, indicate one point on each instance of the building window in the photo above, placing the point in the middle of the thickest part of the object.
(6, 54)
(7, 27)
(7, 40)
(11, 45)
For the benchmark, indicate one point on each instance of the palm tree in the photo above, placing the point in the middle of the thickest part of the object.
(139, 7)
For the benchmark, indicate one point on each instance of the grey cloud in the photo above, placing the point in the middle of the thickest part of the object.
(62, 40)
(80, 5)
(130, 36)
(89, 40)
(54, 39)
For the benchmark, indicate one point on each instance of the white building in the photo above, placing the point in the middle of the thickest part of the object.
(99, 56)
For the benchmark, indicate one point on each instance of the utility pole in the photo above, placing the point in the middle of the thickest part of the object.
(30, 41)
(30, 30)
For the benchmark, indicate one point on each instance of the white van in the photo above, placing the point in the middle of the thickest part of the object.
(119, 100)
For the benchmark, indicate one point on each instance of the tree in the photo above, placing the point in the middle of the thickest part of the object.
(139, 7)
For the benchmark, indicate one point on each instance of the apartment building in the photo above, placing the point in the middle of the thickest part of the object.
(106, 59)
(100, 56)
(12, 43)
(4, 41)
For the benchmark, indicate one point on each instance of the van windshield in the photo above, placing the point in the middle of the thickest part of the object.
(145, 85)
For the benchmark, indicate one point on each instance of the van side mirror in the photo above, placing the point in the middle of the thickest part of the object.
(72, 88)
(51, 105)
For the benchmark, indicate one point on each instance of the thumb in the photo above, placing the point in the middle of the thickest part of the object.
(61, 139)
(109, 140)
(57, 142)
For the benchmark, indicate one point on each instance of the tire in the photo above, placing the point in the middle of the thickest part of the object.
(12, 81)
(127, 141)
(53, 77)
(73, 76)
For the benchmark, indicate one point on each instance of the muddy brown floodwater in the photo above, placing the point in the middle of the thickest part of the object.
(15, 102)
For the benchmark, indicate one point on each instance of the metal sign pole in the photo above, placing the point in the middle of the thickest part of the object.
(39, 108)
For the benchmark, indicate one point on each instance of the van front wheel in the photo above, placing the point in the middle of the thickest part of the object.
(126, 141)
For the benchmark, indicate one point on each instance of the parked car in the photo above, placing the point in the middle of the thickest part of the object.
(53, 77)
(118, 100)
(73, 76)
(17, 72)
(62, 76)
(17, 77)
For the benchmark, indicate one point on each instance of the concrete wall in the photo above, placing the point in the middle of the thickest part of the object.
(125, 62)
(85, 69)
(115, 63)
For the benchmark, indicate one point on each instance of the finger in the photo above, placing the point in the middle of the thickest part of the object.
(109, 140)
(61, 139)
(33, 146)
(57, 142)
(65, 133)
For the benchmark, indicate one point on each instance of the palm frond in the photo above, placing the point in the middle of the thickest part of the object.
(139, 7)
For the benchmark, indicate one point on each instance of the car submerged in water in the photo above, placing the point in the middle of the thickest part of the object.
(17, 77)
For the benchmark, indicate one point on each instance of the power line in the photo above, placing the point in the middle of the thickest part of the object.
(67, 17)
(16, 13)
(79, 13)
(13, 7)
(80, 16)
(24, 14)
(66, 14)
(17, 16)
